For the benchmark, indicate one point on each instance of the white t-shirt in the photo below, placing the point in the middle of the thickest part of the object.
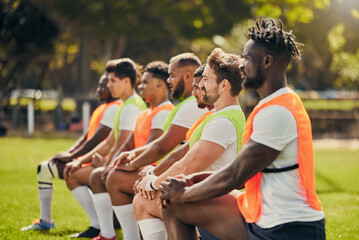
(109, 115)
(159, 119)
(128, 116)
(222, 131)
(188, 114)
(283, 197)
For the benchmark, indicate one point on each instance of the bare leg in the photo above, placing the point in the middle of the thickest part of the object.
(145, 209)
(97, 183)
(120, 186)
(78, 184)
(80, 177)
(149, 217)
(219, 216)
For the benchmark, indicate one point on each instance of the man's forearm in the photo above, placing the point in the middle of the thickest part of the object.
(212, 186)
(171, 159)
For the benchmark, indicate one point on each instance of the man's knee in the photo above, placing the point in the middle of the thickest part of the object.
(96, 176)
(113, 180)
(139, 206)
(46, 172)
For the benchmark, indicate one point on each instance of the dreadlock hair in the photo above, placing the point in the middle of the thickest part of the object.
(275, 39)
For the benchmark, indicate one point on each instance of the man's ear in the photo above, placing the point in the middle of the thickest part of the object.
(225, 84)
(189, 76)
(268, 61)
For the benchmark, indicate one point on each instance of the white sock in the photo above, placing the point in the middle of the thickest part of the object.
(126, 217)
(83, 195)
(153, 229)
(103, 205)
(45, 204)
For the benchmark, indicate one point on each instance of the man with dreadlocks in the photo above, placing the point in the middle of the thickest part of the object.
(275, 165)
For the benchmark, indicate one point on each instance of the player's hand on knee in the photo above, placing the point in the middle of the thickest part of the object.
(70, 168)
(97, 160)
(172, 190)
(122, 158)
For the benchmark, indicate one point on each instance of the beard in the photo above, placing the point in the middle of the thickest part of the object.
(253, 82)
(201, 105)
(179, 90)
(210, 97)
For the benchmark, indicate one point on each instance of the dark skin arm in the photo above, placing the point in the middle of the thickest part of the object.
(130, 142)
(78, 143)
(101, 133)
(160, 147)
(253, 158)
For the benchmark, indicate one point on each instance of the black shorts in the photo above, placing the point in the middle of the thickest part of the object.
(293, 231)
(206, 235)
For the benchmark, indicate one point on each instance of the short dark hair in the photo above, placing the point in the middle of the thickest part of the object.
(186, 59)
(199, 71)
(123, 67)
(226, 66)
(275, 39)
(159, 70)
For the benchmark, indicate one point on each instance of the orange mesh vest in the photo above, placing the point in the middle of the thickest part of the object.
(97, 116)
(195, 125)
(143, 124)
(249, 202)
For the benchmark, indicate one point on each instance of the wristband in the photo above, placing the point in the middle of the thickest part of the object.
(151, 172)
(150, 183)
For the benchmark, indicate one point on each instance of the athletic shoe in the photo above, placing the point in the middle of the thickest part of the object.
(91, 232)
(39, 225)
(100, 237)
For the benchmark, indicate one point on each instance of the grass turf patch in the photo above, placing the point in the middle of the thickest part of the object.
(337, 187)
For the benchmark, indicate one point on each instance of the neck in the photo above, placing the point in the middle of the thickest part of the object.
(272, 84)
(110, 100)
(127, 93)
(225, 101)
(210, 107)
(158, 99)
(187, 95)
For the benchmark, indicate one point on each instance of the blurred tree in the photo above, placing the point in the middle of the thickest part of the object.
(26, 36)
(144, 30)
(331, 51)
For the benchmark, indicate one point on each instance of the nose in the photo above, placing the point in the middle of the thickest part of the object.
(241, 63)
(169, 81)
(108, 85)
(200, 84)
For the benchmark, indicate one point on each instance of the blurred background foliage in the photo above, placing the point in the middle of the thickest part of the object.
(63, 45)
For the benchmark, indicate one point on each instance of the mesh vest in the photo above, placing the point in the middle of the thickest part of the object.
(135, 100)
(144, 122)
(97, 116)
(235, 116)
(249, 202)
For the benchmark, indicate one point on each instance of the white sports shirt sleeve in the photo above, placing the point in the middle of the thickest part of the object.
(188, 114)
(128, 117)
(109, 116)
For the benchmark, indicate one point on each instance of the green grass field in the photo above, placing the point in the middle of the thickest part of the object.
(337, 186)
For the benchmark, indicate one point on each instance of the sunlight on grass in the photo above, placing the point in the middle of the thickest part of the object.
(337, 187)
